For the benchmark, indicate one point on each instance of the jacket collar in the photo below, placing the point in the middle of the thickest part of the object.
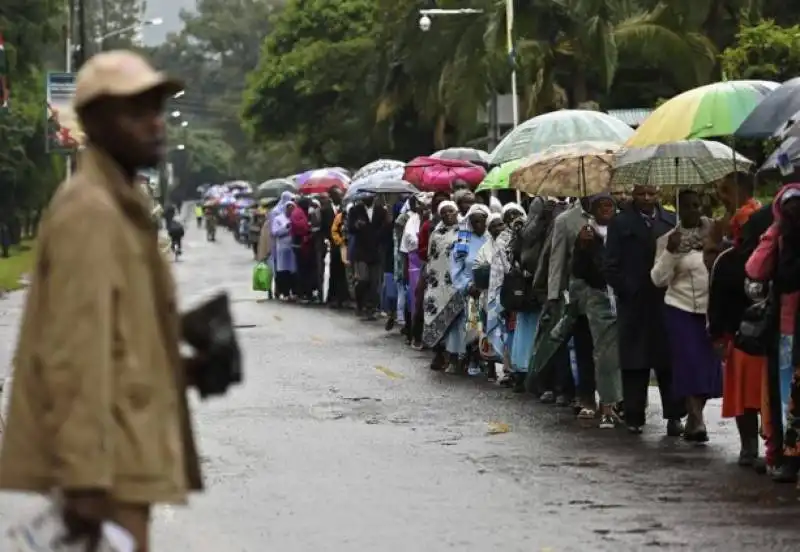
(103, 171)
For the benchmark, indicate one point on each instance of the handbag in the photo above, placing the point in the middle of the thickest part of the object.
(516, 293)
(480, 276)
(755, 332)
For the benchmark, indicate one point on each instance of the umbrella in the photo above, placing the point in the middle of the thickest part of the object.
(322, 180)
(712, 110)
(380, 166)
(789, 150)
(773, 114)
(334, 172)
(430, 174)
(559, 127)
(275, 187)
(388, 186)
(578, 170)
(238, 185)
(497, 179)
(685, 163)
(463, 154)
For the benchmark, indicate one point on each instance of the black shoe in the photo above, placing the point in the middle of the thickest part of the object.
(519, 383)
(389, 324)
(759, 465)
(787, 473)
(700, 436)
(675, 428)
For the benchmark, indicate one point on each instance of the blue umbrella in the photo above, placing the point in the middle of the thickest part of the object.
(773, 113)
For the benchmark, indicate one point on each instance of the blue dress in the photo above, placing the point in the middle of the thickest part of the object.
(461, 263)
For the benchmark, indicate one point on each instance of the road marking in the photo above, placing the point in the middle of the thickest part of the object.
(388, 373)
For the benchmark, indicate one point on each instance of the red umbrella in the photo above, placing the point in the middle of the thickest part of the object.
(431, 174)
(322, 181)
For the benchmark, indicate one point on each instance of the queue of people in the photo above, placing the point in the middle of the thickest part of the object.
(585, 303)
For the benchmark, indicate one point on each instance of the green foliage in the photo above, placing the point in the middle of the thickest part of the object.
(764, 51)
(312, 83)
(27, 174)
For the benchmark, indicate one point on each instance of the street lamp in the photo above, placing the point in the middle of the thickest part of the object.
(425, 25)
(156, 21)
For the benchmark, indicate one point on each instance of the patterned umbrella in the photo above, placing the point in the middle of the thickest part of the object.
(713, 110)
(567, 126)
(685, 163)
(275, 187)
(380, 166)
(785, 158)
(577, 170)
(463, 154)
(321, 181)
(431, 175)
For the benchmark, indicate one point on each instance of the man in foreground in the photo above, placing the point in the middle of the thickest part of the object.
(98, 410)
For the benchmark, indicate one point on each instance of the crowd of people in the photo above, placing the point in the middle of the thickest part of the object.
(584, 303)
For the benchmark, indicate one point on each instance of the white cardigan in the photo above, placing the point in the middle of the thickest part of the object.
(684, 275)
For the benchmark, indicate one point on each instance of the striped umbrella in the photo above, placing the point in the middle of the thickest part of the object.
(708, 111)
(567, 126)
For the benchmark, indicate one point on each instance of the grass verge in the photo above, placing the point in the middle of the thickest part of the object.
(20, 262)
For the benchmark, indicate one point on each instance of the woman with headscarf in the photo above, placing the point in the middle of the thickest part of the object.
(481, 271)
(283, 258)
(442, 303)
(304, 249)
(600, 306)
(471, 237)
(680, 267)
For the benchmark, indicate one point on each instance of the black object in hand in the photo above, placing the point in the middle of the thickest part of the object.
(209, 330)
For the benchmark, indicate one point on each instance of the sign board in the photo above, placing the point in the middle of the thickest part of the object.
(64, 134)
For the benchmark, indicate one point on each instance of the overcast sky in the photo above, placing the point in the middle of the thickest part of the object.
(168, 10)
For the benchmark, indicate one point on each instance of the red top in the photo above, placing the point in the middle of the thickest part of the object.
(424, 238)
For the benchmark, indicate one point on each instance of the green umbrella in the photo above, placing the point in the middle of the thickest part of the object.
(498, 177)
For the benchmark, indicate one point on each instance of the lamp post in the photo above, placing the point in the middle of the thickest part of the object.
(425, 23)
(101, 40)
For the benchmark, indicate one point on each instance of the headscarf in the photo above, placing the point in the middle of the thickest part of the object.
(495, 205)
(424, 198)
(286, 198)
(599, 229)
(462, 194)
(465, 228)
(513, 206)
(493, 217)
(447, 203)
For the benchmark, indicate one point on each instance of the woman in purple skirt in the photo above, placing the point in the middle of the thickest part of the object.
(680, 267)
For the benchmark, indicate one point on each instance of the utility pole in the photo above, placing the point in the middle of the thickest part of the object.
(81, 33)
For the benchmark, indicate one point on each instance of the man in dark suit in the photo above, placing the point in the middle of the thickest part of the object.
(630, 255)
(366, 222)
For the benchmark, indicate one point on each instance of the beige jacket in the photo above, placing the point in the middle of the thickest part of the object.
(98, 398)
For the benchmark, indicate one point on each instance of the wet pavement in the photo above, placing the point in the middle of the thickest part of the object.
(343, 439)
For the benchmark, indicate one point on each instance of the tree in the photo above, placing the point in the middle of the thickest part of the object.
(764, 51)
(117, 18)
(217, 48)
(314, 79)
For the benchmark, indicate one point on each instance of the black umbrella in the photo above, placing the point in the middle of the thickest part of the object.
(275, 187)
(773, 113)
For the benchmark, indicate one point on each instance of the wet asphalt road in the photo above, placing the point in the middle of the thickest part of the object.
(343, 440)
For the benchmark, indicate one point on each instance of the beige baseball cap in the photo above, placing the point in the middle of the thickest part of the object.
(120, 73)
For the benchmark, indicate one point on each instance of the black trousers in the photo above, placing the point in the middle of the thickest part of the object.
(306, 273)
(284, 283)
(635, 388)
(556, 376)
(584, 356)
